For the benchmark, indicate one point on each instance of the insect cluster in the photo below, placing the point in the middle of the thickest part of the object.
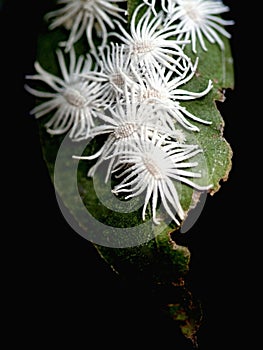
(129, 87)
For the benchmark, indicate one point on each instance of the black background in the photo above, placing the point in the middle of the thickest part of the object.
(59, 290)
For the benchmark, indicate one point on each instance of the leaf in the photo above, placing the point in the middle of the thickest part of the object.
(136, 250)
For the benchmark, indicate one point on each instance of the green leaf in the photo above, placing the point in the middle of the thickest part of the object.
(154, 258)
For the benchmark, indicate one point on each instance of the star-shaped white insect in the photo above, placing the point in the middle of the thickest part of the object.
(166, 90)
(197, 19)
(154, 164)
(73, 101)
(93, 17)
(114, 66)
(149, 43)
